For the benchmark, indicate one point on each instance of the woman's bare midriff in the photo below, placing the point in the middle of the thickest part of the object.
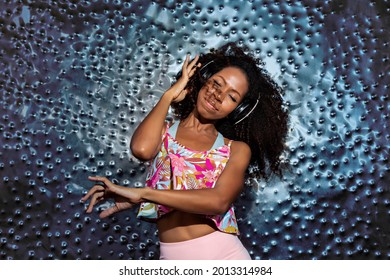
(180, 226)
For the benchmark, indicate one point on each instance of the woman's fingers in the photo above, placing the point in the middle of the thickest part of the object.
(194, 69)
(109, 211)
(96, 194)
(103, 180)
(193, 64)
(189, 68)
(94, 189)
(185, 63)
(103, 191)
(95, 198)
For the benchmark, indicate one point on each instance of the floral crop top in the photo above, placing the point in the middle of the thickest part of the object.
(179, 168)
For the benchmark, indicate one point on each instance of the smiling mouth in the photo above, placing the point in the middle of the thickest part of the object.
(211, 105)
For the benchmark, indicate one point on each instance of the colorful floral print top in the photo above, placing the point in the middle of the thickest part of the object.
(179, 168)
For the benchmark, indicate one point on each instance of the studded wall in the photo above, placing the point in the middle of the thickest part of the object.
(78, 76)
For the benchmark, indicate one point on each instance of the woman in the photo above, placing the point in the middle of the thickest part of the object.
(230, 118)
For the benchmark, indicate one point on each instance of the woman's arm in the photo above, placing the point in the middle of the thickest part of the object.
(204, 201)
(147, 137)
(146, 140)
(208, 201)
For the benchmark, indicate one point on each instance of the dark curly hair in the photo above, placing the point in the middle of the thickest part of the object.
(265, 129)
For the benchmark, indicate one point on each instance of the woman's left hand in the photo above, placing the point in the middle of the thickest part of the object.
(124, 198)
(178, 91)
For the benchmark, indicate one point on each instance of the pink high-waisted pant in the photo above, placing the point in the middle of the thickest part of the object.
(214, 246)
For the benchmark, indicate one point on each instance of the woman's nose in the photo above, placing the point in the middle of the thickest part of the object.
(220, 94)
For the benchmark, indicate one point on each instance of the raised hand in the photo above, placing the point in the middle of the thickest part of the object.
(178, 90)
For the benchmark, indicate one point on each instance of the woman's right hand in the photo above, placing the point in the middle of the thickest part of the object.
(178, 91)
(104, 189)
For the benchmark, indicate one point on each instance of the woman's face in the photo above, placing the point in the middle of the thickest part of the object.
(222, 93)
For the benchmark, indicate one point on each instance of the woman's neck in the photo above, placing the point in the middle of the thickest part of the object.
(194, 122)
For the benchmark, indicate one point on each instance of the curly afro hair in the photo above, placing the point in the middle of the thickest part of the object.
(265, 128)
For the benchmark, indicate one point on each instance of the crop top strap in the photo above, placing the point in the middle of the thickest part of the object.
(173, 129)
(219, 142)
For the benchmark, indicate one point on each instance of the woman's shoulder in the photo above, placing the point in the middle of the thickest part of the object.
(238, 146)
(240, 153)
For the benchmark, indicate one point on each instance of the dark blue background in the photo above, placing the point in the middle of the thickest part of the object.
(76, 77)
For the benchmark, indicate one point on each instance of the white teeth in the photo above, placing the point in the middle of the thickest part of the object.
(212, 103)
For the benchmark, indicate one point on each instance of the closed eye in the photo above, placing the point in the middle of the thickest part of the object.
(216, 84)
(233, 99)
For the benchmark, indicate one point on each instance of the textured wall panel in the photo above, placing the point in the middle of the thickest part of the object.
(76, 77)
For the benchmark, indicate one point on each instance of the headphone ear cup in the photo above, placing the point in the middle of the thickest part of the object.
(240, 111)
(210, 68)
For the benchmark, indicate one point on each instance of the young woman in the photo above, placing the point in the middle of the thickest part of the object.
(231, 124)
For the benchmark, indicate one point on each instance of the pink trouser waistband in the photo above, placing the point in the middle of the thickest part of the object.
(214, 246)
